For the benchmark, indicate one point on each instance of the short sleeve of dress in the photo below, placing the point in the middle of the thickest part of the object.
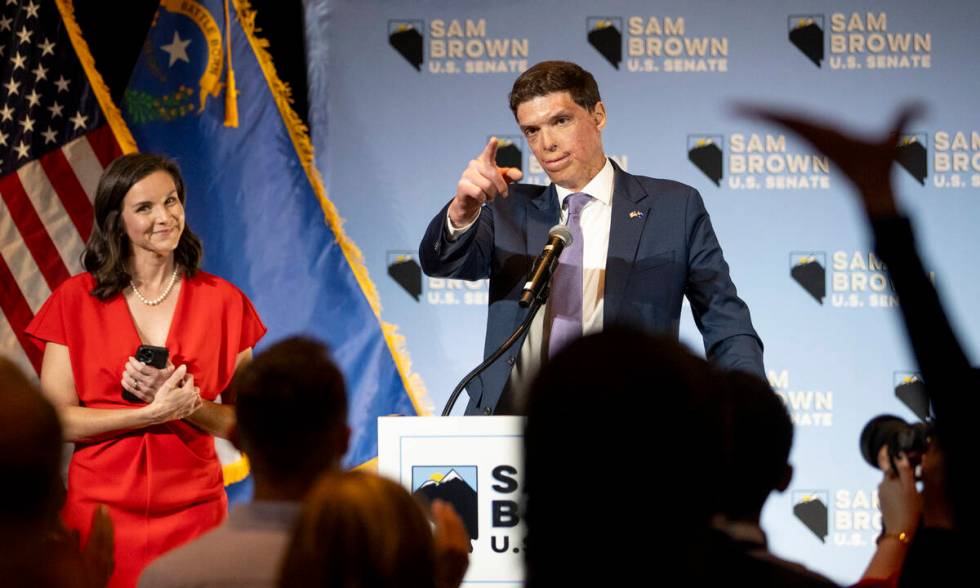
(252, 327)
(48, 324)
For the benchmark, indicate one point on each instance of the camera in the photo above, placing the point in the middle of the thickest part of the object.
(899, 435)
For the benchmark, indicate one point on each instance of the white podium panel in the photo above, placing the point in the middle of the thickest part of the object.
(475, 463)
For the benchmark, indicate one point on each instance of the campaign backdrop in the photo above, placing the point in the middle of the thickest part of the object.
(404, 94)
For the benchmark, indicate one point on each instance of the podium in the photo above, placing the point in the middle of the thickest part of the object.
(476, 464)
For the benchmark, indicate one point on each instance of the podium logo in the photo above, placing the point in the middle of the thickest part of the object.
(405, 270)
(913, 155)
(809, 270)
(457, 485)
(605, 34)
(810, 508)
(911, 391)
(407, 38)
(806, 34)
(705, 152)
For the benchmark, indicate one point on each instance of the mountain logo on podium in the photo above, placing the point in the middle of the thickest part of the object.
(457, 485)
(806, 34)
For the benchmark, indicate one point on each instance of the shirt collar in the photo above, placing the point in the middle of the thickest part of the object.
(273, 514)
(600, 187)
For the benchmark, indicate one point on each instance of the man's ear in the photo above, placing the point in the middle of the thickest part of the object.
(599, 115)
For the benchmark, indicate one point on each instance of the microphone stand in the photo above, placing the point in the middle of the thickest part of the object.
(536, 305)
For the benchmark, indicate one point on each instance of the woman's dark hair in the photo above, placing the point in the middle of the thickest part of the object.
(108, 250)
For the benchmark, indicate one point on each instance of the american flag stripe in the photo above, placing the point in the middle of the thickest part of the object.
(18, 314)
(57, 222)
(32, 231)
(54, 143)
(104, 147)
(26, 275)
(72, 196)
(89, 155)
(11, 348)
(59, 201)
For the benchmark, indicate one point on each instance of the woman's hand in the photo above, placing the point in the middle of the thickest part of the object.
(143, 381)
(901, 503)
(177, 398)
(901, 509)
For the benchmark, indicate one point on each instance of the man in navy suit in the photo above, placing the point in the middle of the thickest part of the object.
(644, 243)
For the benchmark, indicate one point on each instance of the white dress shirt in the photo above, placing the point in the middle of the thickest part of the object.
(595, 221)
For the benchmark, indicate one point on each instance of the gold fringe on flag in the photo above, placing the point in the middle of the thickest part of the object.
(304, 150)
(231, 91)
(102, 94)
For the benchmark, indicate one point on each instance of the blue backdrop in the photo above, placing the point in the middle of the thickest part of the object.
(405, 93)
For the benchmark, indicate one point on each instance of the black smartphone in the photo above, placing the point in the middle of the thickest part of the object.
(150, 355)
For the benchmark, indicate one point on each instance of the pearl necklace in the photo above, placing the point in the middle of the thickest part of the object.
(160, 298)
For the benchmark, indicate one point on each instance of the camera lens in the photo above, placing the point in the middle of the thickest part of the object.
(880, 431)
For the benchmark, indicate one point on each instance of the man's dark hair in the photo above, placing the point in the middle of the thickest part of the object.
(548, 77)
(758, 437)
(291, 405)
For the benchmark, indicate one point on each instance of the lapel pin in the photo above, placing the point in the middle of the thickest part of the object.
(636, 214)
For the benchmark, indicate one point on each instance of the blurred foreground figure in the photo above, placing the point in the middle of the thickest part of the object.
(928, 539)
(35, 549)
(359, 530)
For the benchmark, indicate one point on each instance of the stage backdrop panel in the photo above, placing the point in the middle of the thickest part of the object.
(405, 93)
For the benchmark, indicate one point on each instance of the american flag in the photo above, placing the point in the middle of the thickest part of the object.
(54, 143)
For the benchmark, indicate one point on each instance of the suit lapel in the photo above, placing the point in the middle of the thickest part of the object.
(542, 214)
(630, 210)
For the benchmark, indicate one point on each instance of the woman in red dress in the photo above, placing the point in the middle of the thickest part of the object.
(150, 458)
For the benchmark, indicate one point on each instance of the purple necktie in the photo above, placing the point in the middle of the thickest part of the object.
(565, 305)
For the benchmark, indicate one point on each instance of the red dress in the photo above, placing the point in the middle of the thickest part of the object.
(162, 484)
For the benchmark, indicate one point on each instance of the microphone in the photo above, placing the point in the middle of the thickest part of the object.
(559, 237)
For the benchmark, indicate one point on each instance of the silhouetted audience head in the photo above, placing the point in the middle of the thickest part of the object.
(30, 453)
(758, 436)
(620, 452)
(360, 530)
(35, 551)
(292, 412)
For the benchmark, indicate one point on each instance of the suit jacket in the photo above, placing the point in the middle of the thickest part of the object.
(661, 248)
